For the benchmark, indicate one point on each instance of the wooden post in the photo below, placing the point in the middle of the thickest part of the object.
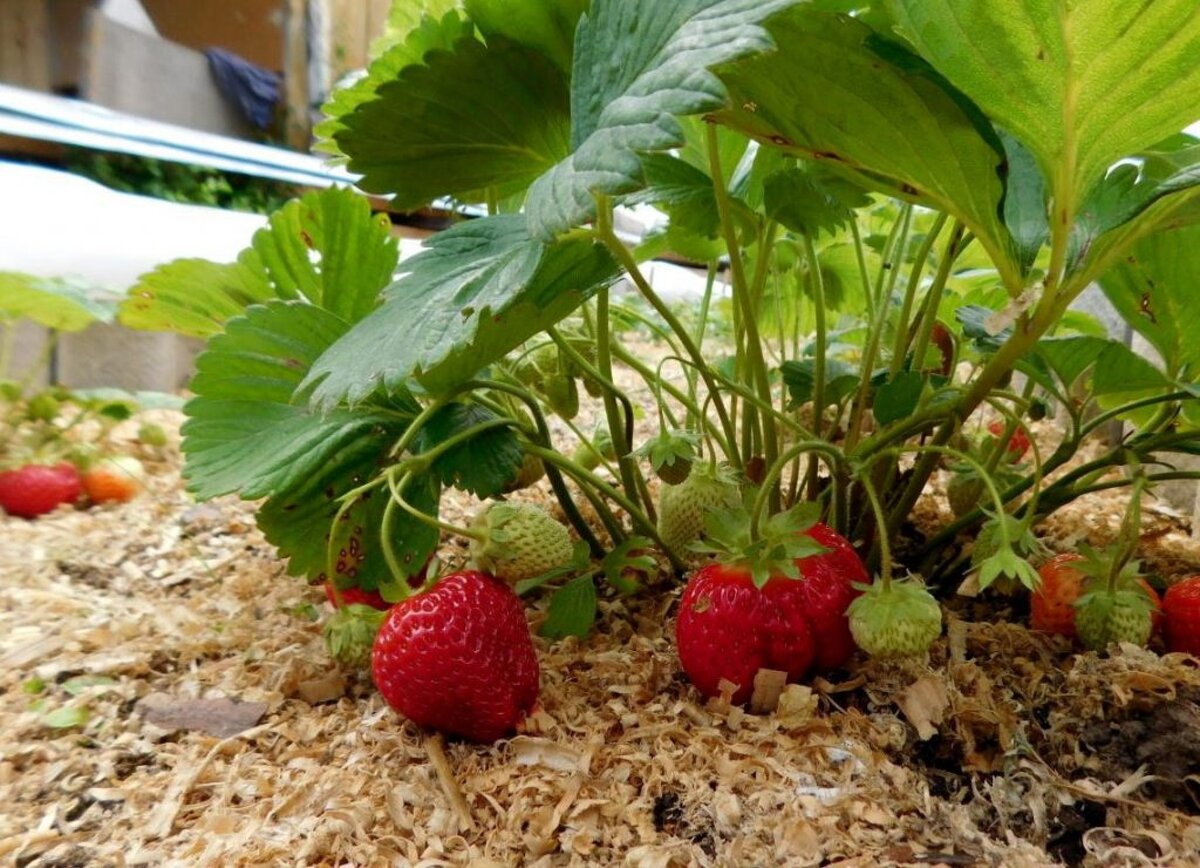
(298, 123)
(24, 51)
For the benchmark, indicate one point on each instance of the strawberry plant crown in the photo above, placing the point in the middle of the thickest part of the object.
(895, 202)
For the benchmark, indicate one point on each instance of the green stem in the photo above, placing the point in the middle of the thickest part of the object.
(742, 297)
(627, 262)
(424, 517)
(831, 453)
(581, 475)
(892, 249)
(561, 492)
(885, 547)
(910, 294)
(819, 351)
(933, 299)
(693, 409)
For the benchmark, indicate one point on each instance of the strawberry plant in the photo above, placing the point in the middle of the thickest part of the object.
(903, 198)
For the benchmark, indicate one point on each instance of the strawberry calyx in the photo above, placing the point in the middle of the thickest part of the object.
(350, 633)
(1002, 551)
(671, 453)
(770, 553)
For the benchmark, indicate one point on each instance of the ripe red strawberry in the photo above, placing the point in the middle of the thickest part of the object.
(459, 658)
(1181, 608)
(1018, 443)
(827, 588)
(37, 489)
(114, 480)
(729, 629)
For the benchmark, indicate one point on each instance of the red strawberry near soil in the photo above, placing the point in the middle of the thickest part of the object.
(828, 590)
(776, 603)
(1181, 610)
(36, 489)
(459, 658)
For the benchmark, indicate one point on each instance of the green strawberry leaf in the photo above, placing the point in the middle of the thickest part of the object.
(245, 435)
(799, 375)
(1069, 80)
(405, 46)
(483, 464)
(65, 305)
(326, 248)
(572, 609)
(637, 63)
(479, 290)
(1153, 288)
(474, 117)
(810, 199)
(898, 397)
(842, 94)
(406, 17)
(547, 26)
(624, 561)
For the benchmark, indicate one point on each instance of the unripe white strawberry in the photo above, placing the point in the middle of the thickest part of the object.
(519, 541)
(682, 508)
(900, 619)
(1104, 617)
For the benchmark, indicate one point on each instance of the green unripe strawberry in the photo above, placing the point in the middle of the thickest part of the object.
(350, 633)
(43, 408)
(588, 455)
(519, 541)
(150, 434)
(562, 395)
(963, 491)
(1104, 617)
(900, 619)
(682, 508)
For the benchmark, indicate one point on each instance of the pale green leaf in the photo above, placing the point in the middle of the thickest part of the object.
(1154, 288)
(843, 95)
(406, 17)
(326, 247)
(547, 26)
(637, 64)
(57, 303)
(1081, 84)
(478, 291)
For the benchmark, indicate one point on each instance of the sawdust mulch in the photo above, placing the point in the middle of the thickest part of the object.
(150, 626)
